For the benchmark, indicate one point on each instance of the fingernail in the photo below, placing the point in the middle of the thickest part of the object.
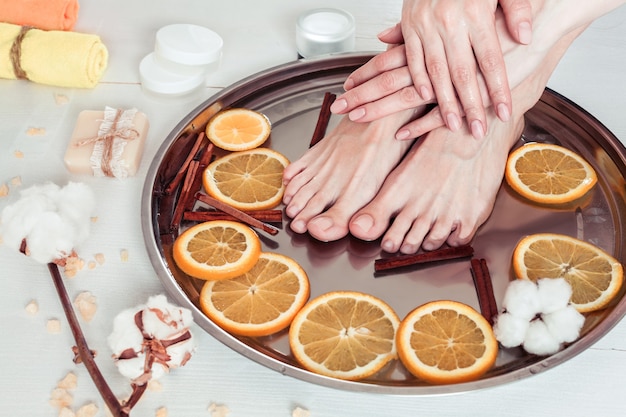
(524, 32)
(339, 105)
(403, 134)
(286, 199)
(503, 112)
(385, 32)
(425, 93)
(453, 122)
(356, 114)
(477, 129)
(348, 84)
(364, 222)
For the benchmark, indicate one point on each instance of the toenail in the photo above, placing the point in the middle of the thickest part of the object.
(364, 222)
(356, 114)
(324, 223)
(388, 246)
(298, 226)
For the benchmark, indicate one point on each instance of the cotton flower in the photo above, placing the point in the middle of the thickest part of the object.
(52, 220)
(148, 340)
(538, 316)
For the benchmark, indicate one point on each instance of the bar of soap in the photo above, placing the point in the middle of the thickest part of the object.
(124, 130)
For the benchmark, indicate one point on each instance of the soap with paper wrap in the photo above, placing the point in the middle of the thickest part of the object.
(107, 143)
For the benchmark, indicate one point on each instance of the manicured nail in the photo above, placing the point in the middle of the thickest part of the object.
(425, 93)
(403, 134)
(524, 32)
(454, 123)
(339, 105)
(364, 222)
(477, 129)
(385, 32)
(356, 114)
(503, 112)
(348, 84)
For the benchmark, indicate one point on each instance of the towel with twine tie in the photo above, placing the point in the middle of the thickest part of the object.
(42, 14)
(63, 59)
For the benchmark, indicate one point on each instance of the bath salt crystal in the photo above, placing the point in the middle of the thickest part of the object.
(300, 412)
(155, 386)
(53, 326)
(87, 410)
(218, 410)
(510, 330)
(539, 340)
(16, 181)
(66, 412)
(18, 154)
(32, 307)
(124, 255)
(85, 303)
(554, 294)
(61, 99)
(4, 189)
(91, 264)
(564, 324)
(161, 412)
(60, 398)
(69, 381)
(124, 131)
(99, 257)
(36, 131)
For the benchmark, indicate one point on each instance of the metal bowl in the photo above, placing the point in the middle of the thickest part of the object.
(290, 95)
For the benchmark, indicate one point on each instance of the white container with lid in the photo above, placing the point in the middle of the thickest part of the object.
(169, 78)
(324, 31)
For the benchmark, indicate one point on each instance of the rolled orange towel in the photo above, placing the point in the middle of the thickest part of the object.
(42, 14)
(64, 59)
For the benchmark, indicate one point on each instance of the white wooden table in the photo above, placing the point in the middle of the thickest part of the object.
(257, 35)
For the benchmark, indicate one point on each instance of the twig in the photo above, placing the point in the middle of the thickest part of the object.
(240, 215)
(183, 169)
(185, 194)
(85, 354)
(323, 119)
(484, 289)
(267, 216)
(385, 264)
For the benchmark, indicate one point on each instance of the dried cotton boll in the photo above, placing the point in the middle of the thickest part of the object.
(52, 220)
(564, 324)
(554, 294)
(539, 340)
(521, 299)
(510, 330)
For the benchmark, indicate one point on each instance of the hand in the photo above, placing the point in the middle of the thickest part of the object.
(444, 41)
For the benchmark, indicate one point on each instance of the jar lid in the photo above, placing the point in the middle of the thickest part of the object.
(169, 78)
(324, 31)
(188, 44)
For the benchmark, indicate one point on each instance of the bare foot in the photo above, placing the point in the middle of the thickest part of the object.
(341, 174)
(442, 191)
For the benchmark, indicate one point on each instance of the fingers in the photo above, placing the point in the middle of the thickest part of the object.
(385, 61)
(518, 16)
(392, 36)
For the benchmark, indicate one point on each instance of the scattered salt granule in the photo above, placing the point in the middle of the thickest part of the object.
(60, 398)
(300, 412)
(218, 410)
(4, 189)
(94, 219)
(73, 264)
(69, 381)
(161, 412)
(36, 131)
(156, 322)
(99, 257)
(16, 181)
(32, 307)
(66, 412)
(155, 386)
(61, 99)
(87, 410)
(52, 220)
(85, 303)
(91, 264)
(124, 255)
(18, 154)
(53, 326)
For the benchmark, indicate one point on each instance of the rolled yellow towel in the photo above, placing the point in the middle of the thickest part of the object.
(64, 59)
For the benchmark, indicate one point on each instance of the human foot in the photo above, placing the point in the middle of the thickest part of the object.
(341, 174)
(441, 192)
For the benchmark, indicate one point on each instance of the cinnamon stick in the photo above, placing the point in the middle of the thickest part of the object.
(203, 161)
(323, 119)
(484, 289)
(85, 354)
(386, 264)
(266, 216)
(183, 169)
(185, 193)
(238, 214)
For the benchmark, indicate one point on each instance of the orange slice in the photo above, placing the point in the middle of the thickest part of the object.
(238, 129)
(248, 180)
(259, 302)
(218, 249)
(549, 174)
(344, 334)
(446, 342)
(594, 275)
